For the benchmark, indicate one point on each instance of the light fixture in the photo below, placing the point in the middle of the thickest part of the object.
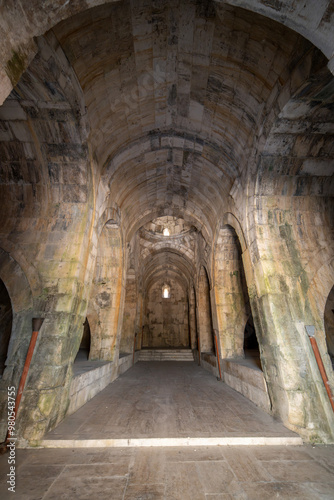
(166, 231)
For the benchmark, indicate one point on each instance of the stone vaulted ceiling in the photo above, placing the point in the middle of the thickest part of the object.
(181, 100)
(177, 95)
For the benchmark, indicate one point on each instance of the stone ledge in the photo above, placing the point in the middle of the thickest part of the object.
(171, 442)
(249, 381)
(125, 362)
(250, 374)
(85, 386)
(209, 363)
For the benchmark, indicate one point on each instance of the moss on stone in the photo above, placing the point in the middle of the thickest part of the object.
(15, 66)
(316, 439)
(46, 403)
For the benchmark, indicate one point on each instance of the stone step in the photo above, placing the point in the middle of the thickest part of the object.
(164, 358)
(166, 355)
(166, 442)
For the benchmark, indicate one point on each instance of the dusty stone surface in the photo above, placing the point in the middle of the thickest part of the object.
(248, 380)
(169, 399)
(209, 120)
(257, 473)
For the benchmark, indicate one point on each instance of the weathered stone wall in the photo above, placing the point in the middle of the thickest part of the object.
(45, 180)
(192, 318)
(167, 319)
(231, 295)
(130, 314)
(291, 249)
(204, 314)
(104, 306)
(281, 288)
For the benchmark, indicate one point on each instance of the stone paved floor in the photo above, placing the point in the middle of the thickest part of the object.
(212, 473)
(168, 399)
(191, 397)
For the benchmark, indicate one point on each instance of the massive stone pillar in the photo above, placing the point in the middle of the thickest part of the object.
(130, 313)
(48, 203)
(281, 297)
(230, 293)
(104, 310)
(192, 318)
(204, 314)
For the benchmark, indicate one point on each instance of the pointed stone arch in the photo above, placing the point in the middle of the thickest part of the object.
(21, 301)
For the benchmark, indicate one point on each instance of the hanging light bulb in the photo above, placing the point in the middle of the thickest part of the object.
(166, 231)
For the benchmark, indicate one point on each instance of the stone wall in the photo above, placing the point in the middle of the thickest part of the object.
(167, 318)
(204, 314)
(103, 311)
(129, 327)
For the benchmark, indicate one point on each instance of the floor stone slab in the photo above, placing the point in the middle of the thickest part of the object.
(214, 473)
(168, 400)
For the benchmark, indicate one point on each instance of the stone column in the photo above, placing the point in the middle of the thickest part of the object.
(204, 314)
(230, 294)
(192, 318)
(130, 313)
(281, 310)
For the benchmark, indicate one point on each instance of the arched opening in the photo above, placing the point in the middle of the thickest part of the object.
(166, 292)
(251, 345)
(6, 321)
(329, 324)
(83, 352)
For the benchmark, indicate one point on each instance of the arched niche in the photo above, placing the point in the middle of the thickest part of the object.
(251, 344)
(320, 298)
(236, 328)
(84, 349)
(18, 294)
(329, 324)
(17, 297)
(6, 323)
